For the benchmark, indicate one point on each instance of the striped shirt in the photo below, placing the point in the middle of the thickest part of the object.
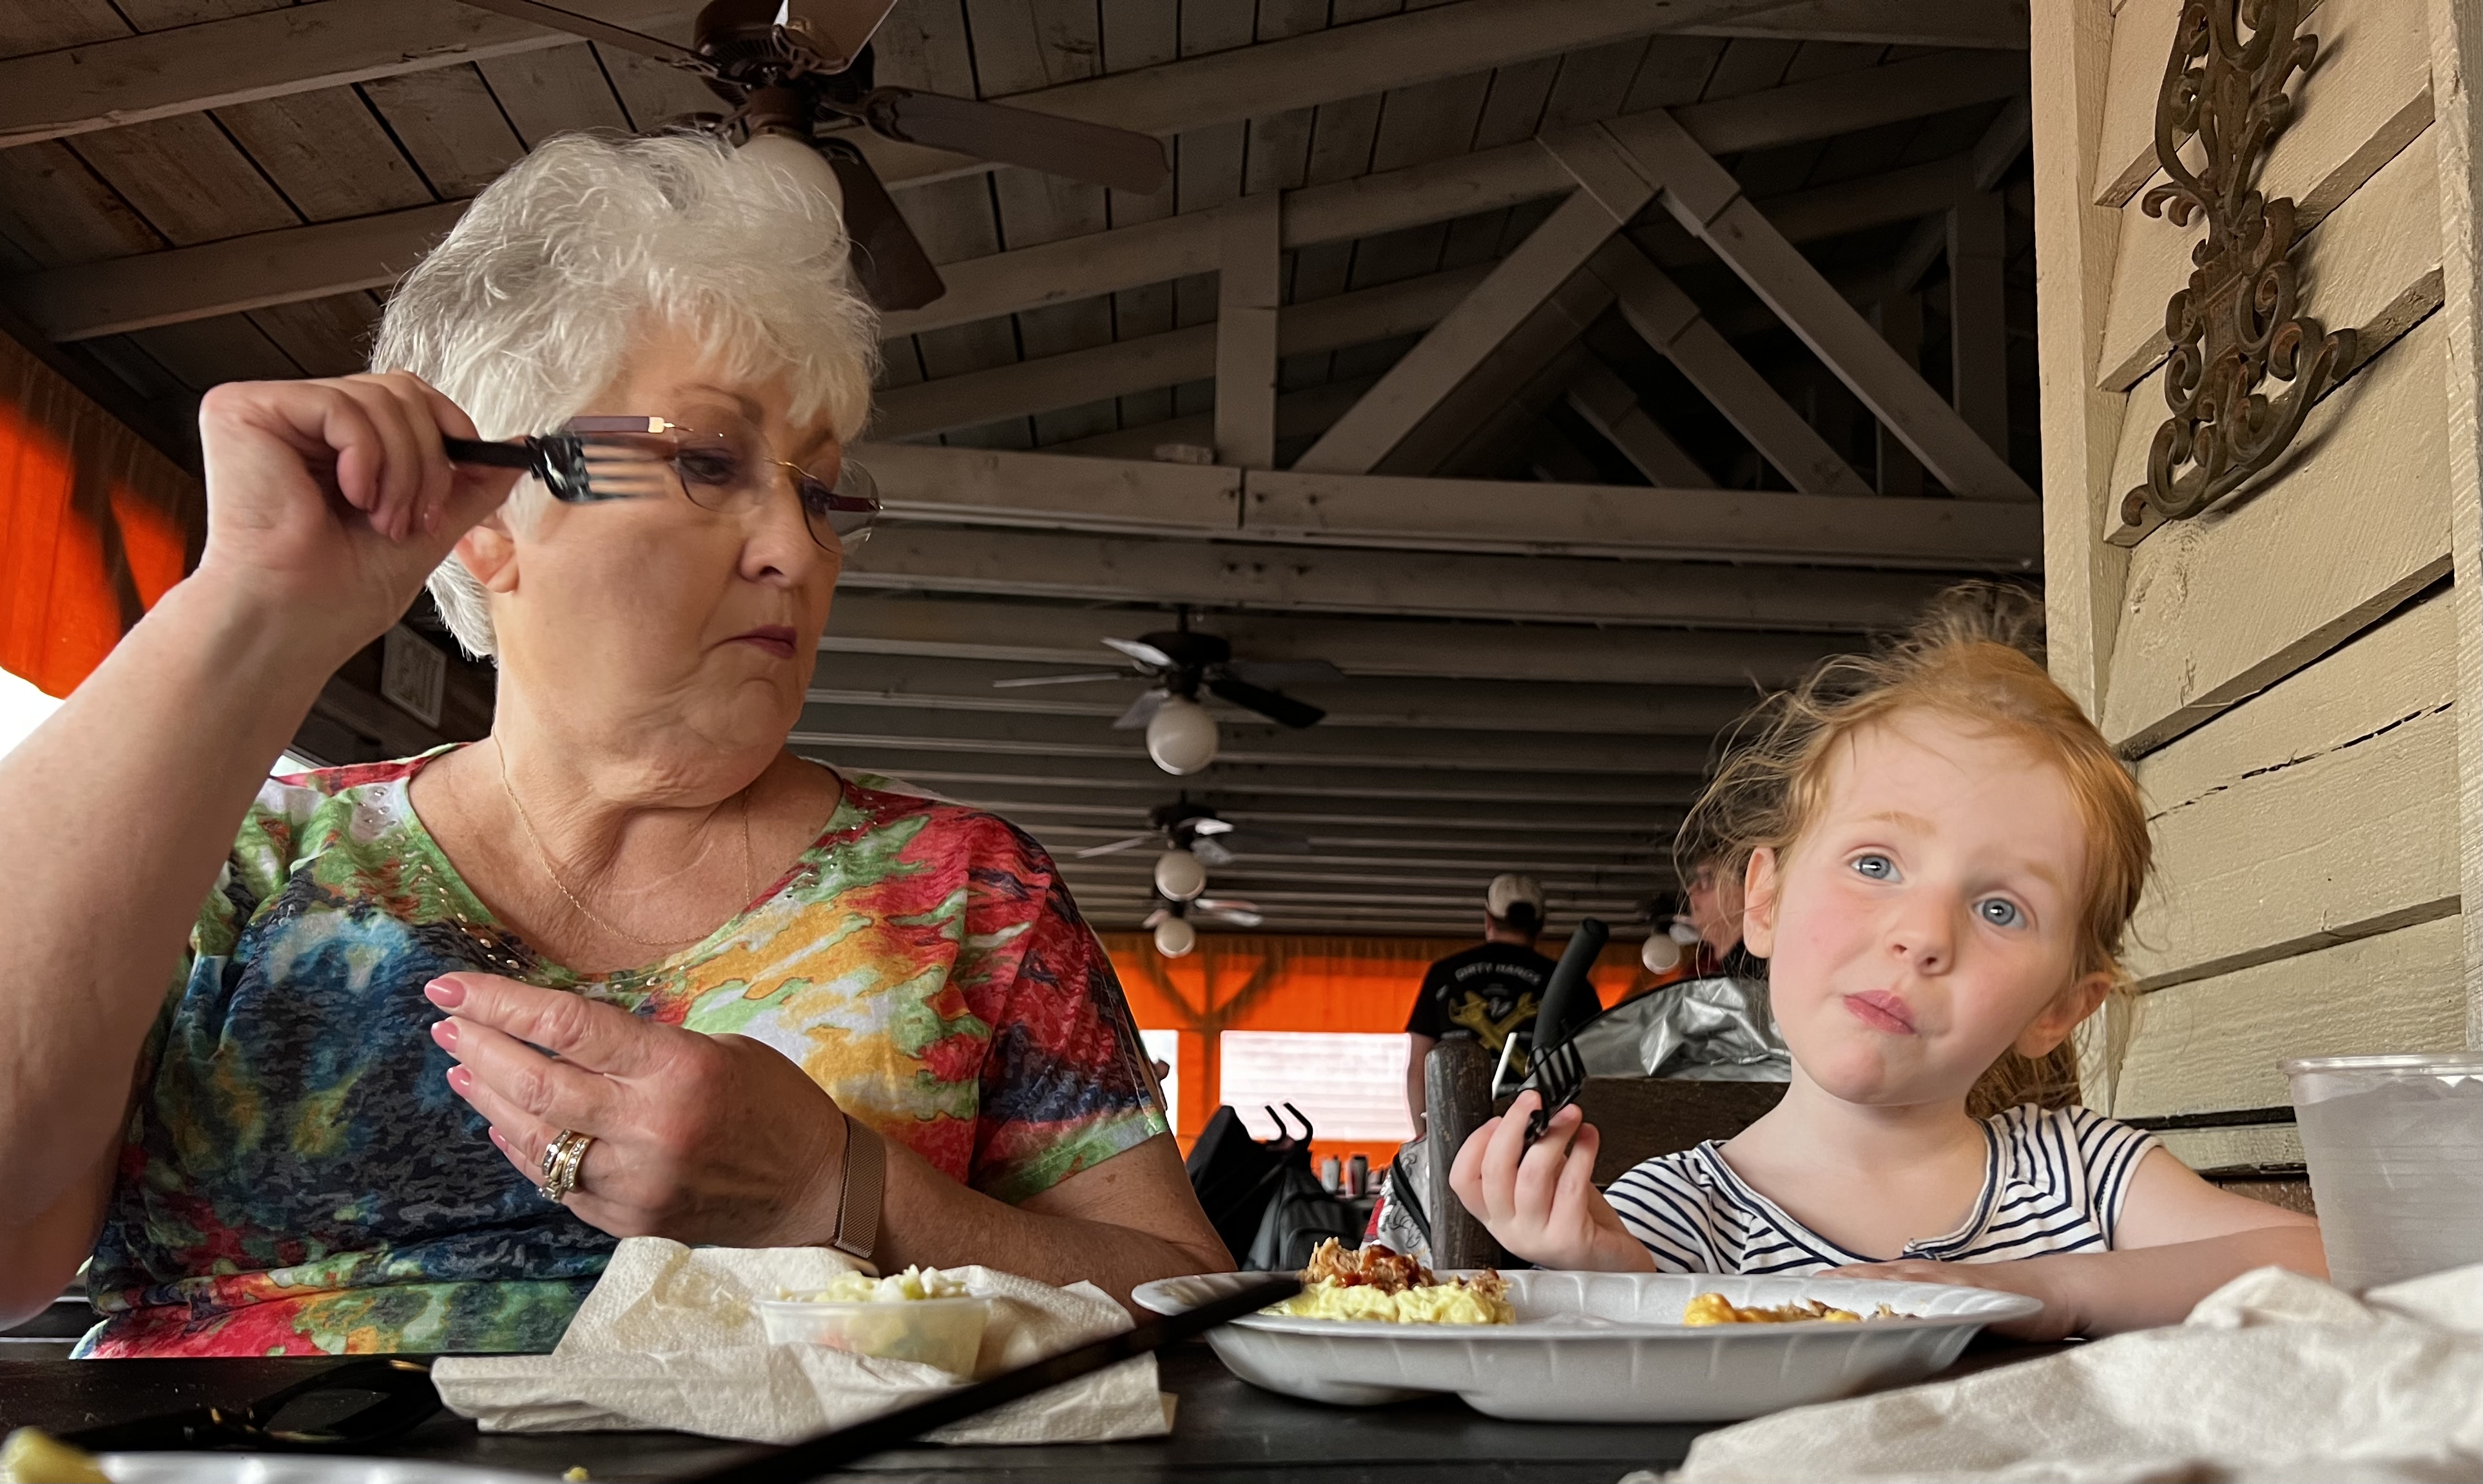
(2054, 1179)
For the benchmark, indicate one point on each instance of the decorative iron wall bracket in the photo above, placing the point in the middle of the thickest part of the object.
(2236, 324)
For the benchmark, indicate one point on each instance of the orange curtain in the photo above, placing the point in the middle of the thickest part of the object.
(1234, 982)
(95, 525)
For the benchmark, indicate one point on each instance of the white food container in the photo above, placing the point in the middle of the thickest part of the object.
(2395, 1150)
(944, 1332)
(1608, 1347)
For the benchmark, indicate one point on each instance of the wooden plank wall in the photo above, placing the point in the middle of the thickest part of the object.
(2283, 672)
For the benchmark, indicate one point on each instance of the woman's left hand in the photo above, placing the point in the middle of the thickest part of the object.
(698, 1138)
(2030, 1276)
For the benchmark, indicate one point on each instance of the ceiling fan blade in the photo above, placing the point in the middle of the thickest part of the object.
(1156, 919)
(552, 18)
(1210, 850)
(1142, 711)
(1275, 673)
(1022, 681)
(1117, 846)
(1274, 706)
(1264, 842)
(1233, 910)
(1144, 653)
(1073, 147)
(895, 270)
(834, 31)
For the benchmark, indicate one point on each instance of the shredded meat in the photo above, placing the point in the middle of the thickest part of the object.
(1376, 1265)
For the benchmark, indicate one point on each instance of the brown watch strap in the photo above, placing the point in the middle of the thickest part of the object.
(865, 1178)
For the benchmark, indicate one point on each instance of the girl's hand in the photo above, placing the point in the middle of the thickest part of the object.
(1541, 1203)
(700, 1138)
(332, 499)
(2034, 1277)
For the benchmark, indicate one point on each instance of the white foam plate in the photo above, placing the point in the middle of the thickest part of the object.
(1608, 1347)
(296, 1468)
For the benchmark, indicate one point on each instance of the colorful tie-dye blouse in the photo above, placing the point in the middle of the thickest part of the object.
(298, 1177)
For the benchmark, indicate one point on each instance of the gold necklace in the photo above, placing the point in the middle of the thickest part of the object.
(749, 888)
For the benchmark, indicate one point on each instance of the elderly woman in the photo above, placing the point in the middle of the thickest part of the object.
(783, 1005)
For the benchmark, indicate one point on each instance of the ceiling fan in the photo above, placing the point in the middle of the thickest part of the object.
(1170, 920)
(789, 66)
(1180, 736)
(1195, 828)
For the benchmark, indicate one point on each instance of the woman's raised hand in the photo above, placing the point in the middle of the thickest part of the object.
(700, 1138)
(1541, 1203)
(333, 498)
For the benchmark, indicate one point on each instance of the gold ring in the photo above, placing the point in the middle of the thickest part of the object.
(561, 1159)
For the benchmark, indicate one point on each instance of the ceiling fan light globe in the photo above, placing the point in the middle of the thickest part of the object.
(1180, 875)
(1660, 954)
(1175, 938)
(1180, 736)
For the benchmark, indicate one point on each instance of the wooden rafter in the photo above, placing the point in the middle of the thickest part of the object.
(1705, 199)
(316, 261)
(1670, 322)
(1597, 394)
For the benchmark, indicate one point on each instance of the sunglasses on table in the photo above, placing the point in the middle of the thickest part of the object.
(595, 459)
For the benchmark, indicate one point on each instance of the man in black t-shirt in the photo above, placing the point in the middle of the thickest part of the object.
(1486, 991)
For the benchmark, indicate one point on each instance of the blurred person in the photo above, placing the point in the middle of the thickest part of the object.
(1489, 991)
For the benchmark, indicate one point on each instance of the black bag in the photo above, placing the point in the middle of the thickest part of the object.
(1300, 1216)
(1235, 1175)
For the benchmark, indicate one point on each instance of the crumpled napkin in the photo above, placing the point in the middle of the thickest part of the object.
(670, 1339)
(2274, 1378)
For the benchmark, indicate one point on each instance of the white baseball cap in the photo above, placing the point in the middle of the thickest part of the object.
(1510, 888)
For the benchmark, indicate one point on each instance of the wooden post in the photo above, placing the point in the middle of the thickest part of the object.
(1456, 1095)
(1978, 316)
(2457, 99)
(1899, 319)
(1246, 333)
(2083, 576)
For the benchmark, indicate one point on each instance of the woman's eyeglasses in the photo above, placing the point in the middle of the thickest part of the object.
(593, 459)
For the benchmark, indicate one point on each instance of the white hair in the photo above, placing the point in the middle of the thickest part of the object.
(533, 302)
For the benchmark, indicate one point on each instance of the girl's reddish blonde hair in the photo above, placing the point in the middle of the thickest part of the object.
(1975, 657)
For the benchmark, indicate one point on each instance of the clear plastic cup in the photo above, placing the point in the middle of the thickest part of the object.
(946, 1333)
(2395, 1150)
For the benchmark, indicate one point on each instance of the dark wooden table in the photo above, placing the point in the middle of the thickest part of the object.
(1225, 1430)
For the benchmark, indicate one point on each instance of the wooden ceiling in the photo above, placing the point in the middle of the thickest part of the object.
(1591, 507)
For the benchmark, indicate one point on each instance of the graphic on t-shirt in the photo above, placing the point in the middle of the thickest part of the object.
(1476, 1017)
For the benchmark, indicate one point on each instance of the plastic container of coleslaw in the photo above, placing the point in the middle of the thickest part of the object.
(914, 1316)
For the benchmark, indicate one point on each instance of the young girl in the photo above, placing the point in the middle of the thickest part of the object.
(1940, 854)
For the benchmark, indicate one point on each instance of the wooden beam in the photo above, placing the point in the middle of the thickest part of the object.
(1144, 362)
(1993, 156)
(1299, 414)
(1978, 316)
(1509, 390)
(311, 262)
(1310, 579)
(1972, 23)
(1579, 825)
(328, 44)
(1608, 404)
(1666, 318)
(1252, 739)
(944, 768)
(1704, 197)
(994, 488)
(1247, 295)
(1609, 194)
(1360, 702)
(1624, 521)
